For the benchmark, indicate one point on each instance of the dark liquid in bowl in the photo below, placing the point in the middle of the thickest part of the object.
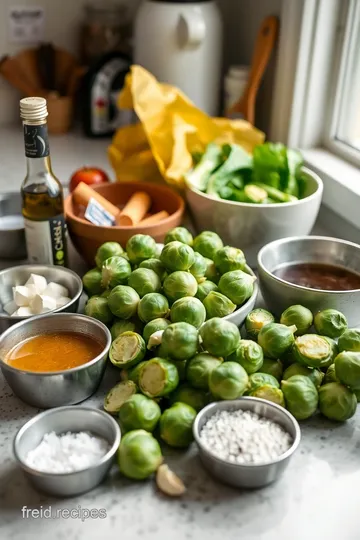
(327, 277)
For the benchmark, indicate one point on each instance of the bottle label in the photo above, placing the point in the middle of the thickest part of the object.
(36, 141)
(46, 240)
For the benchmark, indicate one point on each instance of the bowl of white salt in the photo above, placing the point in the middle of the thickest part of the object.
(68, 450)
(247, 442)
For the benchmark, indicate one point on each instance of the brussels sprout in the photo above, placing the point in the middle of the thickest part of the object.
(330, 375)
(330, 322)
(92, 282)
(159, 248)
(177, 256)
(115, 271)
(228, 259)
(334, 350)
(139, 412)
(154, 326)
(97, 307)
(315, 375)
(176, 425)
(140, 247)
(106, 293)
(211, 273)
(127, 350)
(237, 285)
(156, 265)
(273, 367)
(180, 284)
(337, 402)
(276, 339)
(158, 377)
(347, 368)
(301, 396)
(357, 395)
(199, 267)
(153, 306)
(220, 338)
(119, 327)
(270, 393)
(123, 301)
(180, 341)
(197, 399)
(107, 250)
(139, 455)
(249, 355)
(204, 288)
(133, 374)
(349, 340)
(207, 244)
(256, 380)
(218, 305)
(312, 350)
(179, 234)
(144, 281)
(229, 380)
(256, 319)
(181, 367)
(189, 310)
(199, 368)
(300, 316)
(118, 395)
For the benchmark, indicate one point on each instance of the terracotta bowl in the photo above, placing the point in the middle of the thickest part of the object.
(87, 237)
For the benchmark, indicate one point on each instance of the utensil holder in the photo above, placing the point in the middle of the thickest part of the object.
(60, 117)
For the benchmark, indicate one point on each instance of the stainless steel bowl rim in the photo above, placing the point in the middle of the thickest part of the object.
(249, 300)
(57, 310)
(231, 404)
(290, 239)
(109, 454)
(306, 170)
(65, 371)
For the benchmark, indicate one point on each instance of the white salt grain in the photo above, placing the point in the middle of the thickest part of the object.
(68, 452)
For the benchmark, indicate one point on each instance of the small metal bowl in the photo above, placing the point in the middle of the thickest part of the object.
(62, 420)
(55, 388)
(18, 275)
(247, 475)
(12, 229)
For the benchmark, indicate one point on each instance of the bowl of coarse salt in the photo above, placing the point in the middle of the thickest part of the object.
(247, 442)
(68, 450)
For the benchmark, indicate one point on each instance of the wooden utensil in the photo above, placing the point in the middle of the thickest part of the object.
(264, 45)
(46, 63)
(26, 62)
(9, 70)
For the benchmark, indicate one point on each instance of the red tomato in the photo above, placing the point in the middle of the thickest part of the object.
(88, 175)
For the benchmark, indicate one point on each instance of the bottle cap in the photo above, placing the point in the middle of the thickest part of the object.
(33, 108)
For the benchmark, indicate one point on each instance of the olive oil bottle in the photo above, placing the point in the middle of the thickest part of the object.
(41, 191)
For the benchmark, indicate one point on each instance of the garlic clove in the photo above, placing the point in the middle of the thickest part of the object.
(41, 304)
(55, 290)
(23, 294)
(168, 482)
(62, 301)
(39, 282)
(10, 307)
(23, 311)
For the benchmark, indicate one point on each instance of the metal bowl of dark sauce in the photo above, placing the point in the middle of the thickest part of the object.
(315, 271)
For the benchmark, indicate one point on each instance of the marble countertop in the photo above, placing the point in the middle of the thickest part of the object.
(316, 499)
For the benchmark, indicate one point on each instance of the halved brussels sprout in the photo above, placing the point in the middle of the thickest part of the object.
(301, 396)
(204, 288)
(249, 355)
(229, 380)
(199, 368)
(144, 281)
(315, 375)
(179, 284)
(123, 301)
(237, 285)
(218, 305)
(350, 340)
(189, 310)
(92, 282)
(276, 339)
(337, 402)
(107, 250)
(119, 327)
(180, 341)
(207, 244)
(199, 267)
(153, 306)
(158, 377)
(197, 399)
(312, 350)
(270, 393)
(211, 273)
(133, 374)
(273, 367)
(117, 396)
(300, 316)
(256, 319)
(220, 338)
(330, 375)
(127, 350)
(228, 259)
(176, 425)
(156, 265)
(115, 271)
(347, 368)
(97, 307)
(140, 247)
(154, 326)
(139, 455)
(177, 256)
(179, 234)
(139, 412)
(330, 322)
(256, 380)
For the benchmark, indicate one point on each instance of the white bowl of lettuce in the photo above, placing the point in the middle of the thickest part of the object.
(250, 200)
